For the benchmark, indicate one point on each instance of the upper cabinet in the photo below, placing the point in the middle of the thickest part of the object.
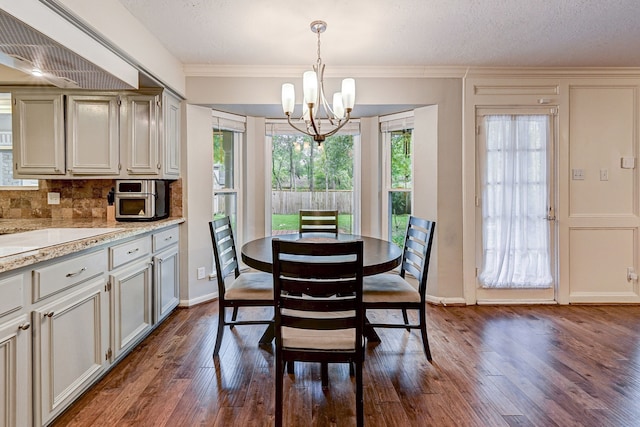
(80, 134)
(92, 135)
(38, 134)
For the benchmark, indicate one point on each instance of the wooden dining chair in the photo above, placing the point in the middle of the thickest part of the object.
(318, 221)
(319, 314)
(248, 289)
(392, 291)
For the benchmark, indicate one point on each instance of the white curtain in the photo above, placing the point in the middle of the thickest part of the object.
(515, 200)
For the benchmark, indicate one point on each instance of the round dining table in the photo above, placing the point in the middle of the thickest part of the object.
(379, 256)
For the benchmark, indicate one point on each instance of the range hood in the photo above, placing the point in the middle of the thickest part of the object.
(24, 48)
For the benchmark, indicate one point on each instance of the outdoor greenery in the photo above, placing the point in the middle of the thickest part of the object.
(289, 222)
(298, 163)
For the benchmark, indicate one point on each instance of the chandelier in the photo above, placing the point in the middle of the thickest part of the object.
(314, 99)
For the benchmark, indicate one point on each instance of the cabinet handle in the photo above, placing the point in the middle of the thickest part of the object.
(77, 272)
(24, 326)
(133, 251)
(168, 238)
(49, 314)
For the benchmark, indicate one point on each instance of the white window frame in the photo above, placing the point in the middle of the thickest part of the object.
(282, 127)
(236, 124)
(388, 124)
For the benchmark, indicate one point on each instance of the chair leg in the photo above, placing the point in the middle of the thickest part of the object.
(279, 389)
(324, 375)
(406, 319)
(359, 395)
(234, 316)
(216, 348)
(423, 330)
(290, 367)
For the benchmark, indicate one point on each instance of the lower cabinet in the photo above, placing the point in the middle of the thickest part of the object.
(70, 347)
(15, 372)
(166, 282)
(131, 303)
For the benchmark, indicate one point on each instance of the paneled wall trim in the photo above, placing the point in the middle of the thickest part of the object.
(597, 204)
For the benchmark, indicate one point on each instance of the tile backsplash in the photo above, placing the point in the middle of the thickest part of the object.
(85, 198)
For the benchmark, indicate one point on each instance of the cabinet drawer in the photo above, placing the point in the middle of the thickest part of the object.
(11, 294)
(126, 252)
(63, 275)
(165, 238)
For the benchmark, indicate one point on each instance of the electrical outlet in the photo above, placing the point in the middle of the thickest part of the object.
(53, 198)
(577, 174)
(201, 273)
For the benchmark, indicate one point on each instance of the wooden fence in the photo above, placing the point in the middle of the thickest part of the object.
(290, 202)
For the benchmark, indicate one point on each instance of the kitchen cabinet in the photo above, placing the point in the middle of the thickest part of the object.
(78, 134)
(15, 352)
(166, 273)
(15, 372)
(65, 321)
(150, 123)
(92, 135)
(141, 115)
(38, 134)
(131, 294)
(171, 135)
(70, 347)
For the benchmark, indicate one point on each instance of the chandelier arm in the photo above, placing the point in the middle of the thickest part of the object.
(340, 126)
(296, 127)
(313, 123)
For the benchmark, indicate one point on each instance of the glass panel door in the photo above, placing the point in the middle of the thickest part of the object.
(515, 207)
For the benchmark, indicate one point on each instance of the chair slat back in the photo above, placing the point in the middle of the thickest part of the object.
(318, 221)
(312, 278)
(417, 250)
(224, 250)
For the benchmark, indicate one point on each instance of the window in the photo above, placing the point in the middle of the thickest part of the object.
(305, 175)
(6, 154)
(227, 141)
(397, 139)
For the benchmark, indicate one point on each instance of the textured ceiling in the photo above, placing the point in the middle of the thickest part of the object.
(522, 33)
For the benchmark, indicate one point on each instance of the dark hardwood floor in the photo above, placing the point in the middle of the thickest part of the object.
(492, 366)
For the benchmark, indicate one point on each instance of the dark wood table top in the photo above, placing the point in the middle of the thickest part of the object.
(379, 255)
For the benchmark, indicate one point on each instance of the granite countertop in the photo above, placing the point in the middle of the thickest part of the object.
(26, 258)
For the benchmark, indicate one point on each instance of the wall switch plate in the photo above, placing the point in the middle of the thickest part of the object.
(577, 174)
(604, 175)
(201, 273)
(628, 162)
(53, 198)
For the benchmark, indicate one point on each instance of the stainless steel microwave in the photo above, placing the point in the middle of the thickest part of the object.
(142, 199)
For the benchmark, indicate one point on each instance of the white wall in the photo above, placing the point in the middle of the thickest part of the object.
(438, 185)
(197, 183)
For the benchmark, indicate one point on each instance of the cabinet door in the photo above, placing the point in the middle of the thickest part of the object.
(166, 282)
(171, 137)
(92, 135)
(38, 134)
(15, 368)
(131, 306)
(70, 347)
(142, 135)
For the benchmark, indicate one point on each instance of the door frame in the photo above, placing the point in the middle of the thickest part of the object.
(517, 296)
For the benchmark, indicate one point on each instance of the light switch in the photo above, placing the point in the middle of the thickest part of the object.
(577, 174)
(628, 162)
(604, 175)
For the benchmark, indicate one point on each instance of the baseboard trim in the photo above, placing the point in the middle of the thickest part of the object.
(199, 300)
(445, 302)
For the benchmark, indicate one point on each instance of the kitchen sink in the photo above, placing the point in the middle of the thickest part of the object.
(11, 244)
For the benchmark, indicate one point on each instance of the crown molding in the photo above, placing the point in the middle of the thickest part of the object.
(207, 70)
(407, 72)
